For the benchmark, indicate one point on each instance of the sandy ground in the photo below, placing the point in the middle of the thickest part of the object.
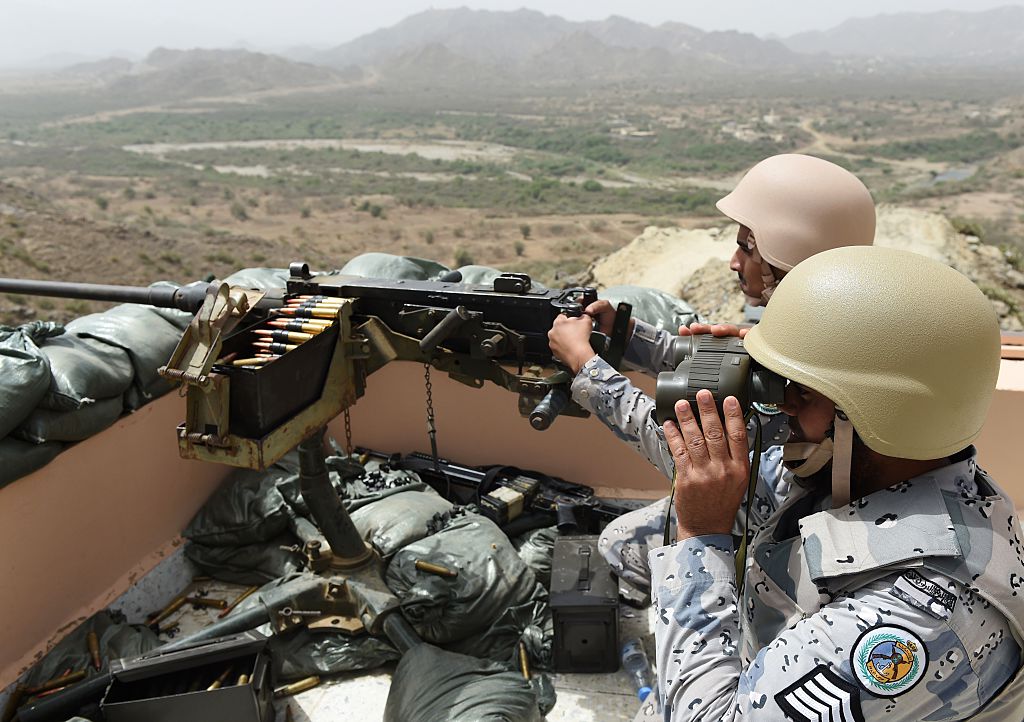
(447, 150)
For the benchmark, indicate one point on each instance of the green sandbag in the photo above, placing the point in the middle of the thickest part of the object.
(251, 564)
(246, 508)
(18, 458)
(24, 371)
(84, 370)
(263, 279)
(116, 638)
(432, 685)
(302, 653)
(44, 425)
(386, 265)
(485, 275)
(653, 306)
(536, 548)
(148, 338)
(491, 578)
(398, 520)
(529, 623)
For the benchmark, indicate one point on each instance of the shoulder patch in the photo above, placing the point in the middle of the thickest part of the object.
(821, 694)
(888, 660)
(924, 594)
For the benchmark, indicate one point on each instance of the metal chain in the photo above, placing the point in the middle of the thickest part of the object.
(431, 428)
(348, 432)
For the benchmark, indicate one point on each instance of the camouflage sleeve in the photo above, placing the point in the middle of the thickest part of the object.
(624, 409)
(649, 349)
(869, 656)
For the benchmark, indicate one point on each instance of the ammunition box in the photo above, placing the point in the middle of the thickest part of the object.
(178, 685)
(584, 606)
(263, 398)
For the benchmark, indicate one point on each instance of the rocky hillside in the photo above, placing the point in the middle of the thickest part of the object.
(523, 38)
(693, 264)
(40, 241)
(990, 36)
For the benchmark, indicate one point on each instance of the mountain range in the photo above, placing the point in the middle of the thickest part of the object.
(488, 48)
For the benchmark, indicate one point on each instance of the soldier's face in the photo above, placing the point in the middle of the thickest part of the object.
(743, 263)
(810, 413)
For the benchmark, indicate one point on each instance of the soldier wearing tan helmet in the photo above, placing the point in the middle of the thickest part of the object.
(888, 582)
(789, 208)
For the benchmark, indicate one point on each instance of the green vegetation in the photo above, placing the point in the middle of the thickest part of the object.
(462, 257)
(967, 148)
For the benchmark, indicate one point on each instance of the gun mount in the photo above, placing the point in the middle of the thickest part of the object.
(265, 369)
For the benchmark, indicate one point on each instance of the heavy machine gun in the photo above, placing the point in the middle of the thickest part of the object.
(264, 371)
(245, 413)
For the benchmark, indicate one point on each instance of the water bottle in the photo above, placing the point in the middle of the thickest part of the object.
(634, 661)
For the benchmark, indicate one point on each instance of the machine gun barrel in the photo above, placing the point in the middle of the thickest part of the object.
(184, 298)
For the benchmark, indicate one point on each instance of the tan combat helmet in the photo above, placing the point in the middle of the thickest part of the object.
(799, 205)
(906, 347)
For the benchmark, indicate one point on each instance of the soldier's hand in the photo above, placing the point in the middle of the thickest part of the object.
(569, 339)
(712, 465)
(715, 329)
(603, 313)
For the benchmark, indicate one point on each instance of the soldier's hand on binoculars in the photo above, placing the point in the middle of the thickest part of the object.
(715, 329)
(569, 339)
(712, 465)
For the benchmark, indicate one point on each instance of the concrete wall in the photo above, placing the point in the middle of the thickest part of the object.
(78, 532)
(483, 426)
(1002, 438)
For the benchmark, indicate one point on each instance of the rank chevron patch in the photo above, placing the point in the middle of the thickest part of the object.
(821, 694)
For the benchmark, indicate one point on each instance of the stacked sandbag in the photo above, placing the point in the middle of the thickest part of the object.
(433, 685)
(489, 579)
(24, 382)
(238, 534)
(386, 265)
(656, 307)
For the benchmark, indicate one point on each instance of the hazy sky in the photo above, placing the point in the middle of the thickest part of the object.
(32, 29)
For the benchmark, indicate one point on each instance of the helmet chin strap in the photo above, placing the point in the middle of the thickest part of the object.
(768, 278)
(838, 450)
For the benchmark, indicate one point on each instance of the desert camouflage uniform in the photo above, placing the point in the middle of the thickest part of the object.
(906, 604)
(629, 413)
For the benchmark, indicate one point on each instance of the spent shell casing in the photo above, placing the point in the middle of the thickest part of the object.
(317, 312)
(93, 643)
(207, 602)
(524, 661)
(56, 683)
(242, 679)
(275, 346)
(176, 604)
(295, 687)
(237, 600)
(425, 566)
(310, 328)
(281, 335)
(219, 682)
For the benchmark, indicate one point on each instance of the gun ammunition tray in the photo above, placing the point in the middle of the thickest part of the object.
(174, 686)
(264, 398)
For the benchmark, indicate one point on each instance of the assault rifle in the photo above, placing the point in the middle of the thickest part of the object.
(263, 369)
(515, 499)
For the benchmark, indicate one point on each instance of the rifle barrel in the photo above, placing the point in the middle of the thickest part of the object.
(184, 298)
